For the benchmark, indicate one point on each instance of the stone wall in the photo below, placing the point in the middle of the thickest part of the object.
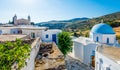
(30, 61)
(49, 58)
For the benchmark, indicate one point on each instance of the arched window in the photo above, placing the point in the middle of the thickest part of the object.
(108, 40)
(97, 39)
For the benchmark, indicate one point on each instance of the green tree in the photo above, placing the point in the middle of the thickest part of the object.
(10, 22)
(11, 52)
(32, 23)
(65, 42)
(87, 34)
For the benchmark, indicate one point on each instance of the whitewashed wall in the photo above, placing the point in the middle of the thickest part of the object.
(112, 38)
(6, 31)
(14, 31)
(38, 33)
(49, 33)
(105, 63)
(24, 31)
(33, 54)
(103, 38)
(94, 36)
(28, 32)
(83, 50)
(78, 51)
(88, 52)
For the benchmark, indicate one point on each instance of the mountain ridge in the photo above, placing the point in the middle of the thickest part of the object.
(60, 24)
(84, 23)
(111, 19)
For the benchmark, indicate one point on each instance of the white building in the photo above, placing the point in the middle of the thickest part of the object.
(103, 34)
(50, 35)
(107, 58)
(46, 35)
(84, 48)
(41, 34)
(23, 26)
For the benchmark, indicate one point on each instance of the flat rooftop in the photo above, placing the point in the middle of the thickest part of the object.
(110, 52)
(83, 40)
(10, 37)
(24, 27)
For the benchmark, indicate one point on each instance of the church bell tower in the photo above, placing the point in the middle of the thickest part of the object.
(15, 20)
(29, 19)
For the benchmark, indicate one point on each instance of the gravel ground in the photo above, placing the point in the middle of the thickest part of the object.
(74, 64)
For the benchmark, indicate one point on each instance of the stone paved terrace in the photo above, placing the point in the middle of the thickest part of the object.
(111, 52)
(49, 58)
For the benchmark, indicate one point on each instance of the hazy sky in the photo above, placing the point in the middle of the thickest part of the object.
(45, 10)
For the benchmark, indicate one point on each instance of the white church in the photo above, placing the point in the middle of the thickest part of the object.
(84, 48)
(103, 33)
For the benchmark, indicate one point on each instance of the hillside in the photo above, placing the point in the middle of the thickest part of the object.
(117, 30)
(76, 24)
(112, 19)
(62, 24)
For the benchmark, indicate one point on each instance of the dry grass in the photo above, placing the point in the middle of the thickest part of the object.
(117, 30)
(85, 32)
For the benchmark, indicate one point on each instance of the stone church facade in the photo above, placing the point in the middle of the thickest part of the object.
(21, 21)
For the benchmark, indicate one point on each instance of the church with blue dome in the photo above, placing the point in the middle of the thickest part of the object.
(102, 28)
(84, 47)
(103, 33)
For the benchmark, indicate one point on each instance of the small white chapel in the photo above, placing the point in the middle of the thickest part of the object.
(84, 48)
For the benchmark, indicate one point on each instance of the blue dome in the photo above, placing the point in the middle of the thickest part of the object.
(102, 28)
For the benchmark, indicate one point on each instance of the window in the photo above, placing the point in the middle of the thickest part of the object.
(47, 36)
(19, 31)
(14, 32)
(108, 40)
(97, 39)
(33, 35)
